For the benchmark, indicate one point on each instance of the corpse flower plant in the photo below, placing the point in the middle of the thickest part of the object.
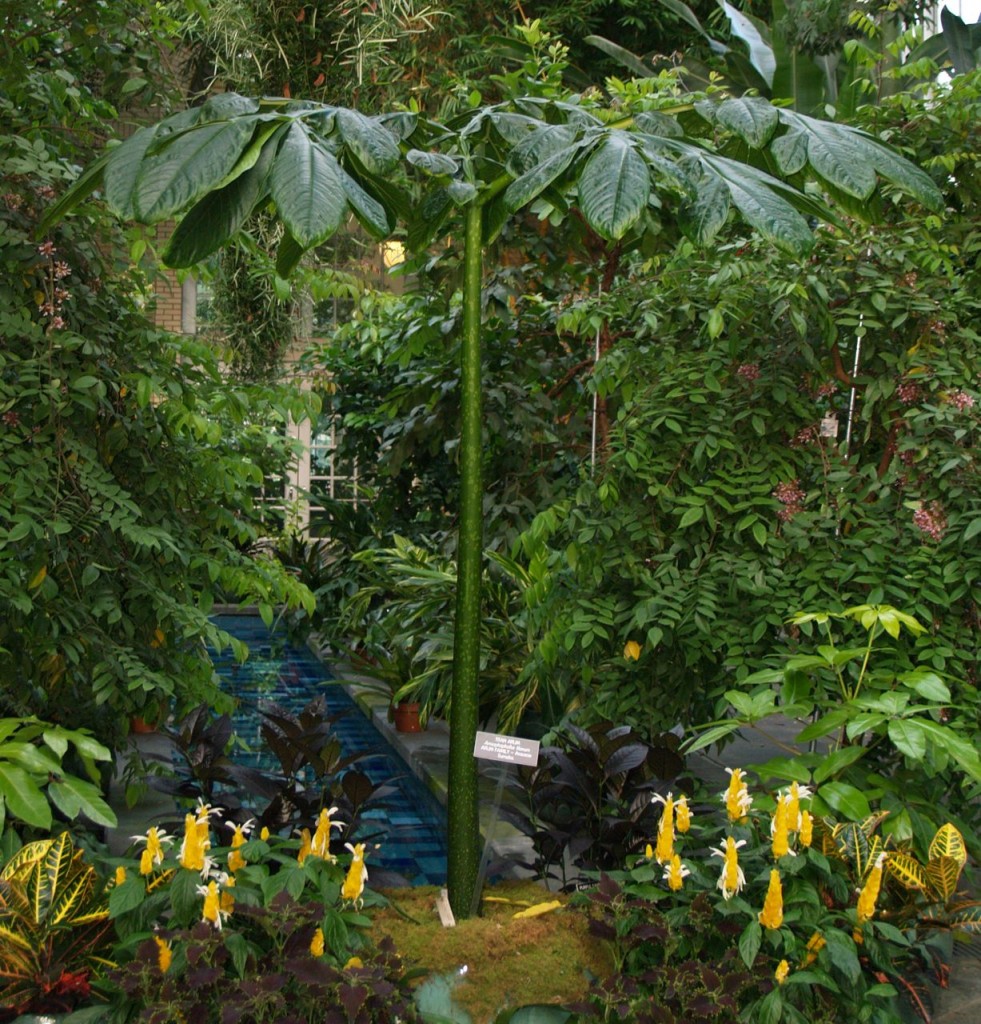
(314, 165)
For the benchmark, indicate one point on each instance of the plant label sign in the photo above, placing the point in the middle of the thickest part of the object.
(490, 746)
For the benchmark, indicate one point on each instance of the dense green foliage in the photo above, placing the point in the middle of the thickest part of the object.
(127, 466)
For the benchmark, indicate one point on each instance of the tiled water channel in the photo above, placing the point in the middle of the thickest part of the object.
(411, 822)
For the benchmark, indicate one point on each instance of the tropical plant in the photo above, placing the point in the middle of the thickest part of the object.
(55, 932)
(587, 805)
(122, 451)
(316, 164)
(872, 723)
(34, 779)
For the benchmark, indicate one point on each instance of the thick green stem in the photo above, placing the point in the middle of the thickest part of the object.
(463, 827)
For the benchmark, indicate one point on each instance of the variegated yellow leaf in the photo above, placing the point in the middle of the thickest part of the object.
(942, 874)
(907, 870)
(948, 842)
(965, 915)
(23, 861)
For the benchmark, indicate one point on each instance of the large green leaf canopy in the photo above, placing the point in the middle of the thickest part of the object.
(316, 165)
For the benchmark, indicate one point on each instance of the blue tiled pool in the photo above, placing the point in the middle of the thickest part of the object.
(411, 821)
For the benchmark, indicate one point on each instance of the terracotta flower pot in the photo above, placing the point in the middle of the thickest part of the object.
(406, 717)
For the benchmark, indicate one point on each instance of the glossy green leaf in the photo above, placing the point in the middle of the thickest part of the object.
(372, 143)
(760, 52)
(75, 796)
(927, 684)
(752, 118)
(790, 151)
(171, 178)
(218, 216)
(753, 194)
(431, 163)
(614, 186)
(122, 168)
(749, 942)
(23, 797)
(371, 214)
(538, 146)
(703, 218)
(522, 190)
(307, 186)
(908, 737)
(846, 801)
(836, 761)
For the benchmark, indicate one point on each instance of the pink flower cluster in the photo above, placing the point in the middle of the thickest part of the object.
(790, 495)
(908, 392)
(749, 371)
(57, 296)
(931, 519)
(960, 400)
(804, 436)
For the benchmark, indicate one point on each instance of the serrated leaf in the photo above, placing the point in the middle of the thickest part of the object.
(752, 118)
(614, 186)
(372, 143)
(171, 178)
(307, 186)
(948, 842)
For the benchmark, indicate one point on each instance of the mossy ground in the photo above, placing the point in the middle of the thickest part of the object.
(509, 962)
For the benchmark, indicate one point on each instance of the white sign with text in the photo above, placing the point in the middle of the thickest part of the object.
(490, 746)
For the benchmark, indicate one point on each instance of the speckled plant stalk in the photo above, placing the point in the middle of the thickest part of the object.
(463, 839)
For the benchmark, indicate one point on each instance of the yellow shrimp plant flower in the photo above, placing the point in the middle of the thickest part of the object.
(193, 853)
(682, 814)
(631, 650)
(664, 848)
(732, 879)
(736, 798)
(771, 916)
(240, 834)
(780, 974)
(675, 874)
(153, 854)
(780, 828)
(320, 844)
(305, 846)
(212, 911)
(317, 943)
(806, 834)
(357, 875)
(164, 954)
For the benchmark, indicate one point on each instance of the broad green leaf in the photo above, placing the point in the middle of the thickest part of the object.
(843, 954)
(760, 51)
(522, 190)
(973, 529)
(834, 762)
(308, 188)
(218, 216)
(30, 758)
(790, 151)
(128, 896)
(225, 105)
(710, 736)
(623, 57)
(838, 160)
(122, 168)
(372, 143)
(908, 737)
(796, 77)
(82, 797)
(963, 753)
(539, 146)
(905, 174)
(288, 255)
(749, 942)
(753, 194)
(614, 186)
(372, 216)
(845, 800)
(23, 797)
(702, 218)
(927, 684)
(693, 515)
(173, 177)
(653, 122)
(80, 189)
(431, 163)
(752, 118)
